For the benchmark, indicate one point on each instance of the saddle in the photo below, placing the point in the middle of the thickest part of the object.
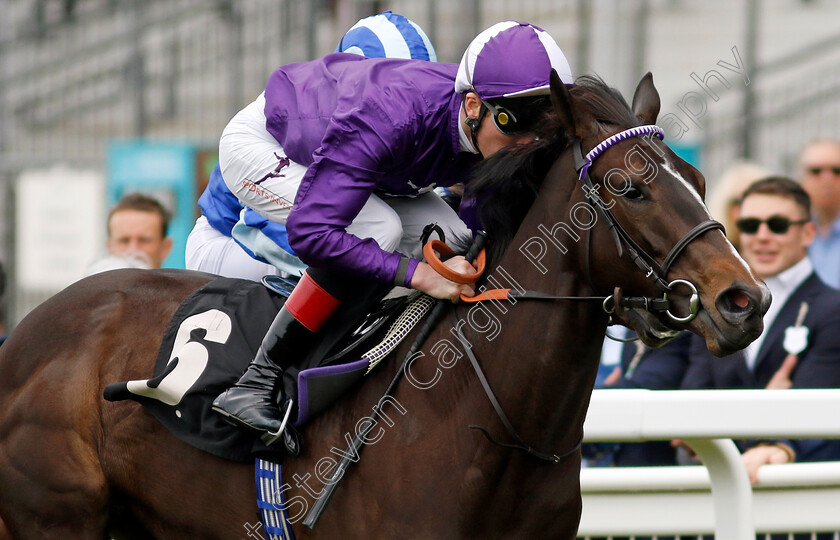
(214, 334)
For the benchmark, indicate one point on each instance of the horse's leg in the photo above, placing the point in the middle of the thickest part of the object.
(4, 532)
(53, 486)
(73, 466)
(173, 489)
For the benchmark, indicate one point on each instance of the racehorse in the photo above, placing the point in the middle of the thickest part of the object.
(589, 210)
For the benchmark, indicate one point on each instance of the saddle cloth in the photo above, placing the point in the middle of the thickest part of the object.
(212, 339)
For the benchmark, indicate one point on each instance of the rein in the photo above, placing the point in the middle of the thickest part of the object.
(552, 459)
(608, 303)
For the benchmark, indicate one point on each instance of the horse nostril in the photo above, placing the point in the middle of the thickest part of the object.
(735, 303)
(740, 299)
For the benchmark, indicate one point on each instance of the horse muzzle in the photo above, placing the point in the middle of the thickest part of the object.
(736, 319)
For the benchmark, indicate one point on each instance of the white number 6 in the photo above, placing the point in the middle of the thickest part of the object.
(192, 358)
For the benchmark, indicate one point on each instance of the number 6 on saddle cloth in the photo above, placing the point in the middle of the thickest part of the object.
(211, 339)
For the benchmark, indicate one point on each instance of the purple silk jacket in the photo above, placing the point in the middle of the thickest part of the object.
(362, 126)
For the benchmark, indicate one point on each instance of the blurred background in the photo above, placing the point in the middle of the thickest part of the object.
(103, 97)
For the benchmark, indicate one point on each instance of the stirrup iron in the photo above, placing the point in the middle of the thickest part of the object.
(270, 438)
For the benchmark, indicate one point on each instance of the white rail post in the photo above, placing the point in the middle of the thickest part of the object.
(731, 489)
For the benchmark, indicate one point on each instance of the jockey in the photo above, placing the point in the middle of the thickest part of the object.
(354, 149)
(232, 240)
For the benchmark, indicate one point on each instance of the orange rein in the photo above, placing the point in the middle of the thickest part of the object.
(431, 250)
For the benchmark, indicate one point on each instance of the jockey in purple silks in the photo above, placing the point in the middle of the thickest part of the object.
(233, 240)
(345, 151)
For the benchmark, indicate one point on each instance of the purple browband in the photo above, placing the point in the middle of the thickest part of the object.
(618, 137)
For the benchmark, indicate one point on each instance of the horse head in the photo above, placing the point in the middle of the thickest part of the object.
(650, 235)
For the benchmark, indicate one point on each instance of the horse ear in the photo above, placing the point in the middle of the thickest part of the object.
(562, 102)
(646, 100)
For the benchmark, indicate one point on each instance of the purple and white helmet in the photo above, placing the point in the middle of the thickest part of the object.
(511, 59)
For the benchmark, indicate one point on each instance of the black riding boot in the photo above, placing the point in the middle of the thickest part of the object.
(252, 402)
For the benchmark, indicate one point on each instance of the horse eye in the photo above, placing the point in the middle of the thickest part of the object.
(633, 193)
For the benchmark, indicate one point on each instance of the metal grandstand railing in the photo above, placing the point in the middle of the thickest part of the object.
(171, 69)
(794, 98)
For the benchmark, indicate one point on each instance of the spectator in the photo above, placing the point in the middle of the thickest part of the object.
(137, 235)
(800, 345)
(820, 169)
(724, 199)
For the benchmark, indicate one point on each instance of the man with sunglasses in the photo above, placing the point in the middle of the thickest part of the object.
(800, 345)
(820, 169)
(344, 151)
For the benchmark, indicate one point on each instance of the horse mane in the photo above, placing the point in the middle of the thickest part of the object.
(606, 104)
(505, 185)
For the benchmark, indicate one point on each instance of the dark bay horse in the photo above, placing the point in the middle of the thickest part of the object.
(73, 466)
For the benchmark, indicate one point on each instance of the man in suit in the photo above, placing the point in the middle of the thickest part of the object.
(800, 345)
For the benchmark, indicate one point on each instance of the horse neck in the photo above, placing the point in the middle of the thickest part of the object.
(545, 350)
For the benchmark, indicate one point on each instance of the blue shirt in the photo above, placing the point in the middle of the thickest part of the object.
(825, 255)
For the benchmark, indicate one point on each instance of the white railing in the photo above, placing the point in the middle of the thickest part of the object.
(717, 497)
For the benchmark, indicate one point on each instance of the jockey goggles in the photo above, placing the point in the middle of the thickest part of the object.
(516, 115)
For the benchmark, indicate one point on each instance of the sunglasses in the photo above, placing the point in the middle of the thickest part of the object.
(816, 171)
(776, 224)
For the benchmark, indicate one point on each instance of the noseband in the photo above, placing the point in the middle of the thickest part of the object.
(644, 261)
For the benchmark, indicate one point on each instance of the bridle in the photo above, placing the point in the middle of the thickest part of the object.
(653, 270)
(623, 241)
(643, 260)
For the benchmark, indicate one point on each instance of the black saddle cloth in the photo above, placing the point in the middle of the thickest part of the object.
(212, 339)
